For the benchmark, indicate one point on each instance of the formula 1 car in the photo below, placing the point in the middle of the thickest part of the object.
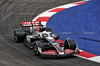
(42, 40)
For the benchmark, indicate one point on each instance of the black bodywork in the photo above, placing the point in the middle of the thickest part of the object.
(40, 44)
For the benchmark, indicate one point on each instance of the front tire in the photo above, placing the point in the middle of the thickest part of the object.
(69, 44)
(36, 46)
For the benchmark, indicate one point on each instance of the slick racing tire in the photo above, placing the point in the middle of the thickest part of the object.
(17, 38)
(69, 44)
(36, 46)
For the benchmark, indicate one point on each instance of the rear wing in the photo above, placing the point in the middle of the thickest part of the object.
(31, 23)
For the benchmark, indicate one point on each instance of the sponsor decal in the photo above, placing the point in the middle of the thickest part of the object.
(49, 52)
(68, 51)
(30, 23)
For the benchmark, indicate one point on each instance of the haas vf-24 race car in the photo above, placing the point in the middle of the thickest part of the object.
(42, 40)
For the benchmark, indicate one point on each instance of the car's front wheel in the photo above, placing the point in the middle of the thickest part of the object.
(69, 44)
(38, 47)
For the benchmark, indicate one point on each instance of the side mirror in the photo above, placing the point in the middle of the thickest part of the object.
(56, 36)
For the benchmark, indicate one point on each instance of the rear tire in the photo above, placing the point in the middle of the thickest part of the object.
(18, 38)
(69, 44)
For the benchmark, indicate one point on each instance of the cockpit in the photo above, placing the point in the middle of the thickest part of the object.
(45, 35)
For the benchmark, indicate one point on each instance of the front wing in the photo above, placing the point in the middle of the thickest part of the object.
(54, 53)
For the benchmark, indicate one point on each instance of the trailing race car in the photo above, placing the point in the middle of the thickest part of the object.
(42, 40)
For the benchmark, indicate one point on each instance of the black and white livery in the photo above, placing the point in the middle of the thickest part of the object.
(42, 40)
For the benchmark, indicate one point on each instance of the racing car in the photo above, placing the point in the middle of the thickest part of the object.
(42, 40)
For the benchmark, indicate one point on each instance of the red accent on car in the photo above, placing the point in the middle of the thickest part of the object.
(52, 39)
(38, 29)
(57, 9)
(57, 45)
(36, 35)
(36, 23)
(86, 54)
(48, 52)
(68, 51)
(34, 27)
(59, 41)
(26, 24)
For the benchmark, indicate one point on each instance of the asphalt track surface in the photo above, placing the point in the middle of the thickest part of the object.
(12, 12)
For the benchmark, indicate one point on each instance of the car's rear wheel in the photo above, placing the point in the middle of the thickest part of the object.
(69, 44)
(38, 47)
(17, 38)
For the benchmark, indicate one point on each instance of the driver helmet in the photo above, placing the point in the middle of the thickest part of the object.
(45, 35)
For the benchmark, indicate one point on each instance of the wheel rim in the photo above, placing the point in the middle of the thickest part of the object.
(35, 49)
(15, 37)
